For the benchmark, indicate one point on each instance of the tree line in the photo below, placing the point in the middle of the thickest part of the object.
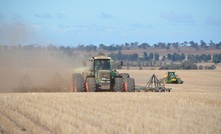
(124, 46)
(146, 59)
(162, 45)
(216, 58)
(70, 51)
(186, 65)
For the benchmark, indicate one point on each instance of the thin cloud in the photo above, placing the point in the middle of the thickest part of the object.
(60, 16)
(16, 17)
(178, 17)
(49, 16)
(45, 16)
(75, 28)
(1, 17)
(105, 16)
(140, 25)
(137, 25)
(213, 21)
(62, 28)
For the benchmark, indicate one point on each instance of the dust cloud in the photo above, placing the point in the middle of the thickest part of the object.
(18, 33)
(41, 67)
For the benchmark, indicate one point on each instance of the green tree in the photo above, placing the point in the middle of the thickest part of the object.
(145, 56)
(188, 65)
(164, 58)
(200, 67)
(156, 56)
(102, 46)
(120, 55)
(169, 56)
(168, 46)
(151, 56)
(216, 58)
(211, 43)
(203, 44)
(182, 57)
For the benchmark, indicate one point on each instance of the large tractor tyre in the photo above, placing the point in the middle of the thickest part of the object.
(90, 84)
(125, 76)
(119, 84)
(77, 83)
(129, 85)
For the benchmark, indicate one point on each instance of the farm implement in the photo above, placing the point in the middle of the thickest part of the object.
(153, 85)
(26, 85)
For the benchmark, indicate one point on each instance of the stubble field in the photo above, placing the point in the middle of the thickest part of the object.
(193, 107)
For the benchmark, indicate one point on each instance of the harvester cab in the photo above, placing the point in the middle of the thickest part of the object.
(102, 76)
(172, 78)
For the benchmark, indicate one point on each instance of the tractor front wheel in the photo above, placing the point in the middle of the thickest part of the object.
(77, 83)
(90, 84)
(119, 84)
(129, 85)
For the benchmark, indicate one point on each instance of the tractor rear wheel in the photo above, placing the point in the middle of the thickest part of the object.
(90, 84)
(77, 83)
(125, 76)
(130, 85)
(119, 84)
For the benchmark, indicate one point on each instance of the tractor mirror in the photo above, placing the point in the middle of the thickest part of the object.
(84, 63)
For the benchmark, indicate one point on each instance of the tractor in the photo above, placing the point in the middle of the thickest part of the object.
(171, 78)
(102, 77)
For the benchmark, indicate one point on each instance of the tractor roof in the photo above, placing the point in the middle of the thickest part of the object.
(101, 57)
(171, 71)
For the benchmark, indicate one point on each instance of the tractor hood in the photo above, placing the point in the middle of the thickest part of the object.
(104, 75)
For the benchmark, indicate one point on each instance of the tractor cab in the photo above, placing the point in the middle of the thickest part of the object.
(102, 64)
(171, 77)
(101, 70)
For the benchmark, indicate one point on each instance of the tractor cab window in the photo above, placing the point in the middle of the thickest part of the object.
(171, 75)
(102, 64)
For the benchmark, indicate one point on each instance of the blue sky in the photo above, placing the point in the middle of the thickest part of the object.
(73, 22)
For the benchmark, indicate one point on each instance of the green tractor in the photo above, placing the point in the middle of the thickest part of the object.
(102, 77)
(171, 78)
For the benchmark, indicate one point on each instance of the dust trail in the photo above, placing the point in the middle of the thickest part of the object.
(41, 66)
